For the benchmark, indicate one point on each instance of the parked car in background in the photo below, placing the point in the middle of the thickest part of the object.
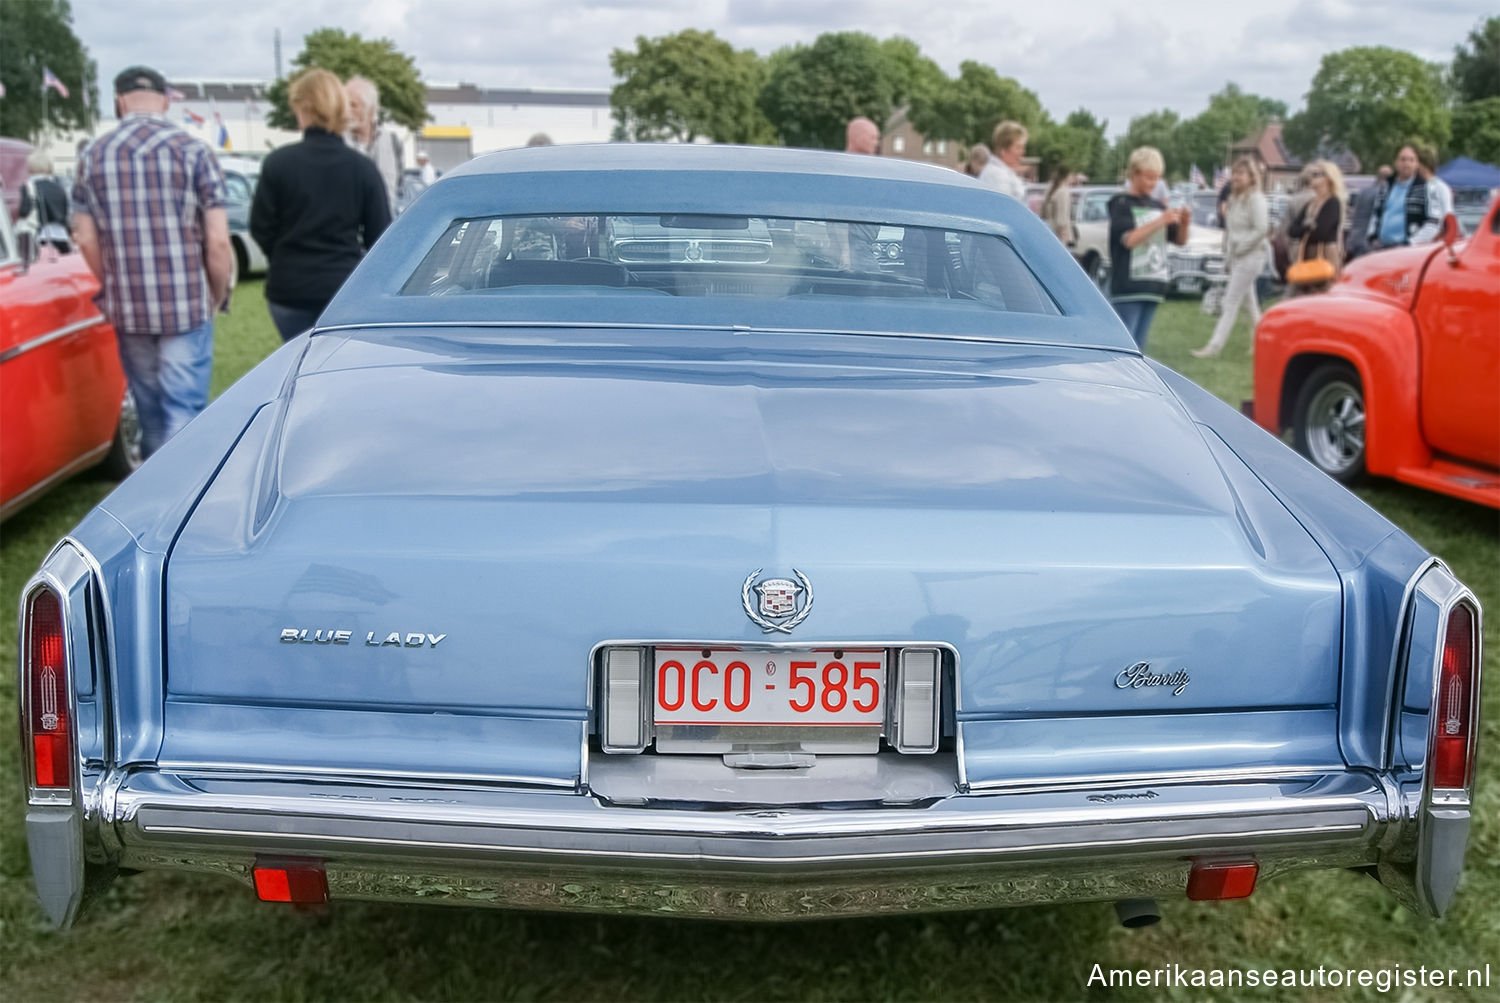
(408, 187)
(766, 587)
(1198, 265)
(241, 175)
(1394, 370)
(65, 406)
(1091, 227)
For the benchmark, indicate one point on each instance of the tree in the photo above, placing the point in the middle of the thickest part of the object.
(1370, 100)
(1158, 129)
(1476, 130)
(36, 36)
(1079, 143)
(403, 98)
(1476, 68)
(1231, 115)
(688, 85)
(813, 91)
(968, 109)
(915, 79)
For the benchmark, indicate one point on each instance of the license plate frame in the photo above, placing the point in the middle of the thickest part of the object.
(836, 705)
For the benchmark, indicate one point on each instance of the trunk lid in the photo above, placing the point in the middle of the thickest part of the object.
(479, 510)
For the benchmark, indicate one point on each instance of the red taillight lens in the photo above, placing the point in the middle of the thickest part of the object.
(1453, 714)
(290, 880)
(48, 724)
(1212, 881)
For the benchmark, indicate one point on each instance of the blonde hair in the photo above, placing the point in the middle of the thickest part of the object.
(320, 97)
(1335, 178)
(1145, 158)
(1006, 134)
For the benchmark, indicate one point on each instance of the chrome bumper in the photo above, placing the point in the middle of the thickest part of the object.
(539, 849)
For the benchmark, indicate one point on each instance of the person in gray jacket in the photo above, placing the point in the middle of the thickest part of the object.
(1246, 221)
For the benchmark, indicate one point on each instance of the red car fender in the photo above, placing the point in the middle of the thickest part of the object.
(1377, 337)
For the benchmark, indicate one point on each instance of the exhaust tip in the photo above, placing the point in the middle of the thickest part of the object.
(1136, 913)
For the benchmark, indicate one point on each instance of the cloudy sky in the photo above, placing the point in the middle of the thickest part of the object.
(1116, 59)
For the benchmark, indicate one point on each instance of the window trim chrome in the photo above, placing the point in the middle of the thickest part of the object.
(15, 351)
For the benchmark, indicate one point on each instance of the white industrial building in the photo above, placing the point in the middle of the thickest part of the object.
(465, 120)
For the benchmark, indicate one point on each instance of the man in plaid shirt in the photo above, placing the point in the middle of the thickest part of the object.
(150, 220)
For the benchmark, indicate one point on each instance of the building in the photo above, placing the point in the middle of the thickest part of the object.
(466, 120)
(1279, 166)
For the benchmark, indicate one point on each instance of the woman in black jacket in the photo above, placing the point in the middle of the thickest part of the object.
(319, 206)
(1318, 231)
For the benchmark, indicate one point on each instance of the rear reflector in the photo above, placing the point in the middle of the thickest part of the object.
(48, 723)
(918, 701)
(1453, 714)
(622, 719)
(283, 880)
(1218, 880)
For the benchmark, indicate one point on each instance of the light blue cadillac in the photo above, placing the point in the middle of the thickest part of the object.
(740, 533)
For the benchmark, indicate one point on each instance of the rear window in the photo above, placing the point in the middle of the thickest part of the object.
(730, 257)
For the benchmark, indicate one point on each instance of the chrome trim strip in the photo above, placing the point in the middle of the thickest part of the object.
(696, 856)
(31, 494)
(583, 815)
(729, 329)
(51, 336)
(231, 770)
(1396, 675)
(1232, 774)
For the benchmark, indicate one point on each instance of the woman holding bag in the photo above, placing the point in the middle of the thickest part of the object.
(1246, 221)
(1319, 230)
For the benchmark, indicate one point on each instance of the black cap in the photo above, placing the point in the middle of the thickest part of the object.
(140, 78)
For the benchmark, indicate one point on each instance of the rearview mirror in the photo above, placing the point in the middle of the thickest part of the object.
(1450, 235)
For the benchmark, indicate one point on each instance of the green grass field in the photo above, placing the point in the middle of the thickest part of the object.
(158, 936)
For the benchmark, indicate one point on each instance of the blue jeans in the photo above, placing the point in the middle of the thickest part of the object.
(168, 376)
(291, 321)
(1137, 315)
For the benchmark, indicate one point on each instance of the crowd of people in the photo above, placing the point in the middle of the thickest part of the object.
(1405, 206)
(148, 214)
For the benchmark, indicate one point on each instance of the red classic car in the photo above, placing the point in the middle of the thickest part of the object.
(1395, 371)
(65, 405)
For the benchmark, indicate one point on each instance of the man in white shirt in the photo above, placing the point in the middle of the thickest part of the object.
(369, 137)
(1009, 143)
(429, 173)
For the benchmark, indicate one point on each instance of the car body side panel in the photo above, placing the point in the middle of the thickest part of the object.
(1378, 339)
(61, 370)
(1375, 562)
(1458, 312)
(131, 532)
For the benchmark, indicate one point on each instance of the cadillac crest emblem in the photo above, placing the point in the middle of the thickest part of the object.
(779, 599)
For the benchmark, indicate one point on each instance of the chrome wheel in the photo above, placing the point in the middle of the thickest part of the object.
(1330, 427)
(125, 454)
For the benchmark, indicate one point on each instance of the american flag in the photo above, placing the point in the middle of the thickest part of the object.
(49, 79)
(1196, 177)
(1221, 177)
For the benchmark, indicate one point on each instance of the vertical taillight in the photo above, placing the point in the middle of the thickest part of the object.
(1453, 713)
(622, 700)
(48, 722)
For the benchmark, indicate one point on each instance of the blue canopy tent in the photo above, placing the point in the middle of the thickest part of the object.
(1462, 172)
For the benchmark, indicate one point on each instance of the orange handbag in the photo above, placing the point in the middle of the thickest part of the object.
(1310, 272)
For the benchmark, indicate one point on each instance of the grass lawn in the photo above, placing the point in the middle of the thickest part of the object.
(172, 936)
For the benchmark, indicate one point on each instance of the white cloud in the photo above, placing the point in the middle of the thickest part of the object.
(1117, 60)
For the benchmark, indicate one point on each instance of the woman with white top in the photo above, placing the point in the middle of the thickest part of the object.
(1246, 222)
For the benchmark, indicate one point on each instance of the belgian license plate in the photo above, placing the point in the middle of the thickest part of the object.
(816, 686)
